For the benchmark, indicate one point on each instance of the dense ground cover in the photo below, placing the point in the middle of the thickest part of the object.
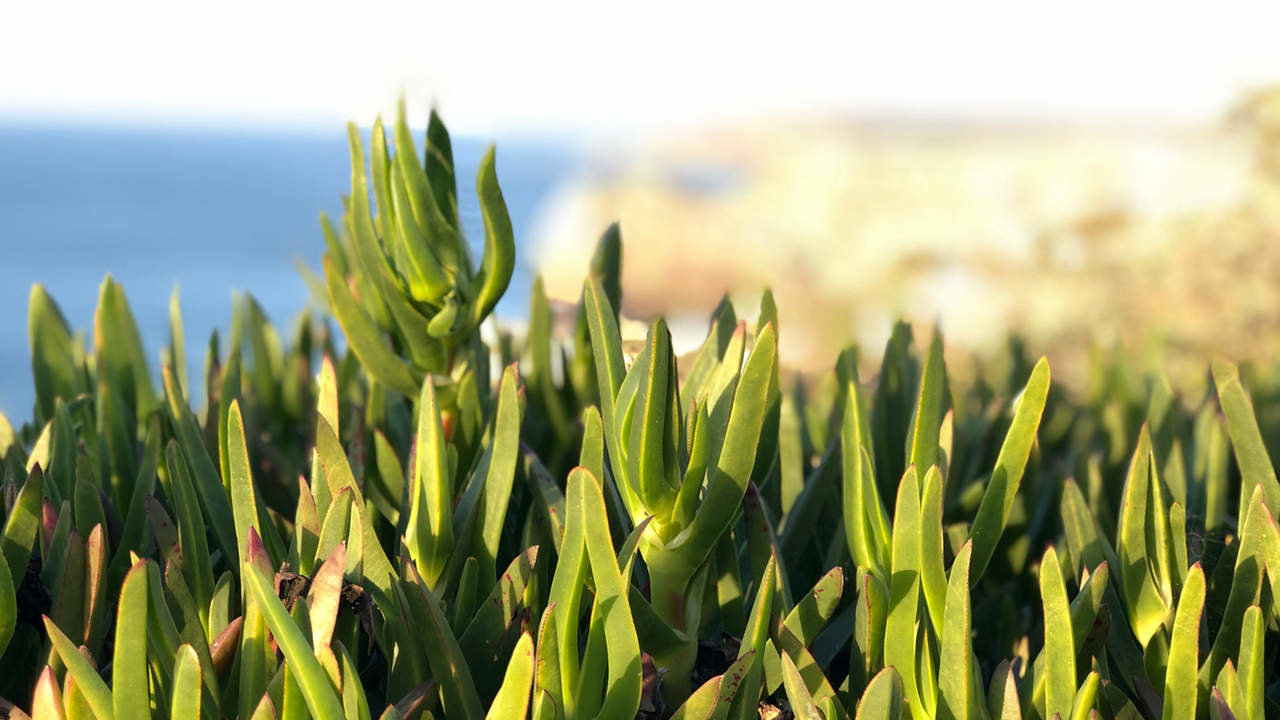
(419, 522)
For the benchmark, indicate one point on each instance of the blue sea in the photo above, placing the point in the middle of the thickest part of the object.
(211, 212)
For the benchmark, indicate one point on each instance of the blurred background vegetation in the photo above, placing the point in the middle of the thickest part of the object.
(1159, 241)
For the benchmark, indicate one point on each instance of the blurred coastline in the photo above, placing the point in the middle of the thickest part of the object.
(1162, 239)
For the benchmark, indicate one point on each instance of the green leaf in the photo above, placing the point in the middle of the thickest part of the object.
(46, 701)
(133, 537)
(1087, 613)
(1252, 668)
(22, 527)
(428, 281)
(389, 479)
(186, 685)
(505, 450)
(337, 524)
(229, 392)
(244, 496)
(548, 499)
(541, 374)
(997, 502)
(865, 521)
(1246, 586)
(791, 457)
(481, 640)
(94, 689)
(378, 573)
(882, 700)
(410, 172)
(7, 437)
(8, 607)
(923, 449)
(325, 596)
(1218, 707)
(192, 630)
(727, 482)
(813, 611)
(438, 165)
(547, 691)
(220, 611)
(870, 614)
(1087, 698)
(95, 588)
(499, 242)
(893, 406)
(354, 703)
(118, 428)
(256, 658)
(801, 626)
(1231, 693)
(955, 686)
(298, 653)
(753, 641)
(1002, 698)
(162, 633)
(119, 348)
(53, 364)
(1256, 469)
(69, 595)
(1144, 601)
(723, 344)
(606, 348)
(1178, 538)
(651, 455)
(364, 337)
(87, 503)
(702, 704)
(62, 464)
(802, 704)
(1184, 654)
(512, 700)
(445, 657)
(622, 694)
(900, 636)
(933, 578)
(1059, 642)
(811, 675)
(177, 355)
(265, 709)
(196, 566)
(429, 534)
(1212, 466)
(1086, 541)
(208, 485)
(130, 697)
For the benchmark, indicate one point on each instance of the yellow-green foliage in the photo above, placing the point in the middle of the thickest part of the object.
(386, 531)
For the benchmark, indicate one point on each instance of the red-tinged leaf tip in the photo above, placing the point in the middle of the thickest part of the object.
(256, 553)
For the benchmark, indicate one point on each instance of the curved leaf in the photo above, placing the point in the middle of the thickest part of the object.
(955, 681)
(312, 678)
(129, 682)
(882, 700)
(512, 700)
(1059, 643)
(1184, 655)
(997, 502)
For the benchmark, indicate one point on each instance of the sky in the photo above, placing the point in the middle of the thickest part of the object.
(618, 68)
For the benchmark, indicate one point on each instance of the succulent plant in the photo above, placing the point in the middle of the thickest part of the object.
(382, 530)
(399, 273)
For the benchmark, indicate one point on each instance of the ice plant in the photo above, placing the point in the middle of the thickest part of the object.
(385, 531)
